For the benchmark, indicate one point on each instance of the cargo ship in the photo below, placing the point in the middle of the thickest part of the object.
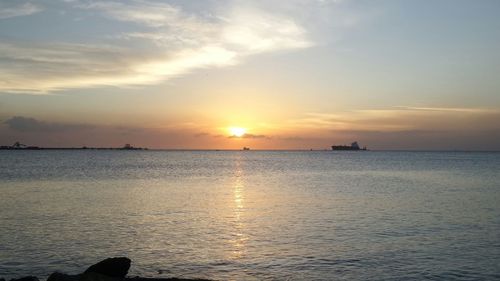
(353, 146)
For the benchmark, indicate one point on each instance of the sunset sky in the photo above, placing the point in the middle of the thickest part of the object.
(286, 74)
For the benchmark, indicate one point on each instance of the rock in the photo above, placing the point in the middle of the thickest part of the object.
(112, 267)
(94, 276)
(163, 279)
(57, 276)
(27, 278)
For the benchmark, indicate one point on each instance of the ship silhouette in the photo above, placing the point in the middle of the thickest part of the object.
(353, 146)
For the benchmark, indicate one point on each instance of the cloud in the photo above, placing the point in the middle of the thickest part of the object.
(166, 41)
(10, 9)
(45, 68)
(41, 68)
(403, 118)
(252, 136)
(201, 134)
(27, 124)
(245, 136)
(143, 12)
(254, 31)
(448, 109)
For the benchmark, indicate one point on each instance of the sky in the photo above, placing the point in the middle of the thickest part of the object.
(284, 74)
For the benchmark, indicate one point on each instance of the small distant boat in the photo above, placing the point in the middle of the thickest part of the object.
(353, 146)
(246, 148)
(130, 147)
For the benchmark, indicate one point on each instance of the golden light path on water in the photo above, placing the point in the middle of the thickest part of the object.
(239, 238)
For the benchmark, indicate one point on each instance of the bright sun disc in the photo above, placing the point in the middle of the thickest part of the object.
(237, 131)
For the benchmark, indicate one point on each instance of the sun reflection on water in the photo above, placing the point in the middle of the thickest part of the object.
(239, 239)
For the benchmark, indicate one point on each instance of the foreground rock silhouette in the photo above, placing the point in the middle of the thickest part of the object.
(27, 278)
(111, 269)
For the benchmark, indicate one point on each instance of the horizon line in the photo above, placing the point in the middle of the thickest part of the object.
(229, 150)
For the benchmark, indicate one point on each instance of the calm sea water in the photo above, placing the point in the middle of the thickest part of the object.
(253, 215)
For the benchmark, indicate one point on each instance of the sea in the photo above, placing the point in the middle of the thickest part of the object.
(253, 215)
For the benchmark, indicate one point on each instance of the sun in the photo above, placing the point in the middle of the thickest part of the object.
(237, 131)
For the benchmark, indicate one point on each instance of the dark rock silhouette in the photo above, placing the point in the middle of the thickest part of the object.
(163, 279)
(57, 276)
(113, 267)
(94, 276)
(27, 278)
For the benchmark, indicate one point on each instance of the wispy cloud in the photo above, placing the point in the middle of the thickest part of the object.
(41, 68)
(143, 12)
(448, 109)
(167, 42)
(28, 124)
(10, 9)
(403, 118)
(250, 136)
